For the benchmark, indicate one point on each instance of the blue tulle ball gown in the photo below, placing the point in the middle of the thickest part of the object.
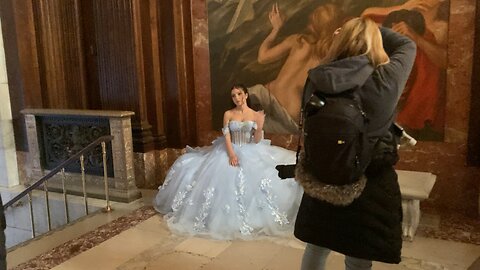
(204, 195)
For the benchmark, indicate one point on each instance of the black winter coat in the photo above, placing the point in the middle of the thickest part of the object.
(369, 227)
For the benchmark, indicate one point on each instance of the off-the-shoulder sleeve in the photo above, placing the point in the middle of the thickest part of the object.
(225, 130)
(255, 125)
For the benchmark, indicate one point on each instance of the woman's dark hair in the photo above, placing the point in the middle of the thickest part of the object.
(240, 86)
(412, 18)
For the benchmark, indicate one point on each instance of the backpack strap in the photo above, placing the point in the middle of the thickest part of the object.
(307, 93)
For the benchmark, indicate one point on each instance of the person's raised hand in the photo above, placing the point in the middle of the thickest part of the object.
(276, 19)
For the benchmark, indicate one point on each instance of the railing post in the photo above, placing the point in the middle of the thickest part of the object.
(82, 168)
(65, 202)
(47, 205)
(107, 208)
(32, 222)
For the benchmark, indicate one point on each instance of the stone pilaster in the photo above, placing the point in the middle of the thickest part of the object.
(8, 156)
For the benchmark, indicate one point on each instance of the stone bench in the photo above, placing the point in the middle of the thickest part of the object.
(414, 186)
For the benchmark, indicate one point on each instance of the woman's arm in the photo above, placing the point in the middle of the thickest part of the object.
(394, 75)
(232, 157)
(419, 5)
(379, 11)
(268, 53)
(260, 119)
(402, 52)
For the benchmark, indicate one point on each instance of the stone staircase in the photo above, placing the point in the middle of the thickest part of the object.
(22, 248)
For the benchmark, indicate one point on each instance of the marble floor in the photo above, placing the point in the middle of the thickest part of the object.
(140, 239)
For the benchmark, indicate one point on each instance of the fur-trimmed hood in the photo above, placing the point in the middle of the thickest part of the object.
(337, 195)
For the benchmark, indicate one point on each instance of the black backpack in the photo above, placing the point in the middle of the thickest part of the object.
(336, 151)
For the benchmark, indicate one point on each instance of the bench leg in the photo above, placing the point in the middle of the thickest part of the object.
(411, 218)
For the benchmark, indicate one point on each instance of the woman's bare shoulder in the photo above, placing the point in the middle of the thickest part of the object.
(227, 114)
(291, 40)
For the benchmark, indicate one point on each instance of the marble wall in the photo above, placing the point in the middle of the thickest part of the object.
(457, 186)
(151, 168)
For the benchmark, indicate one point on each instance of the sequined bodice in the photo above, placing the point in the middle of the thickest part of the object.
(241, 131)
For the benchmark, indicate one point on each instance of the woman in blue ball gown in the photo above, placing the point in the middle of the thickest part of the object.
(231, 190)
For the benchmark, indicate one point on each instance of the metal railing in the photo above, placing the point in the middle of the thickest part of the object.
(61, 168)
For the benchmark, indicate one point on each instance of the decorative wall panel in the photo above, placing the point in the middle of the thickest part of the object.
(60, 53)
(64, 136)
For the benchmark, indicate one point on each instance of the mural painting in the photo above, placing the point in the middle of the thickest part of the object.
(270, 45)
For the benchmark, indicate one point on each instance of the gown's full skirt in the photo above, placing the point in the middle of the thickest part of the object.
(203, 195)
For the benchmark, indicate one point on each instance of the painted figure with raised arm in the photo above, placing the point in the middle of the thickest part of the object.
(231, 189)
(281, 98)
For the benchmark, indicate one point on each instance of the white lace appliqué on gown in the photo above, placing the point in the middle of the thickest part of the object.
(204, 195)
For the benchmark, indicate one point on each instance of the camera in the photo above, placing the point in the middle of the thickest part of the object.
(286, 171)
(404, 138)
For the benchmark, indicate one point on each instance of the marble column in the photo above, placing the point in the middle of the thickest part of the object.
(8, 155)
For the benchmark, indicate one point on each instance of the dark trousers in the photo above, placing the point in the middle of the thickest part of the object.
(3, 250)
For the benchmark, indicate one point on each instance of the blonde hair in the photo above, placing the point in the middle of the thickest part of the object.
(322, 22)
(358, 36)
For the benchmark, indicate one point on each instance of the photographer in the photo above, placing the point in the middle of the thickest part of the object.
(368, 228)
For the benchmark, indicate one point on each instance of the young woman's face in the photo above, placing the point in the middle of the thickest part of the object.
(238, 97)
